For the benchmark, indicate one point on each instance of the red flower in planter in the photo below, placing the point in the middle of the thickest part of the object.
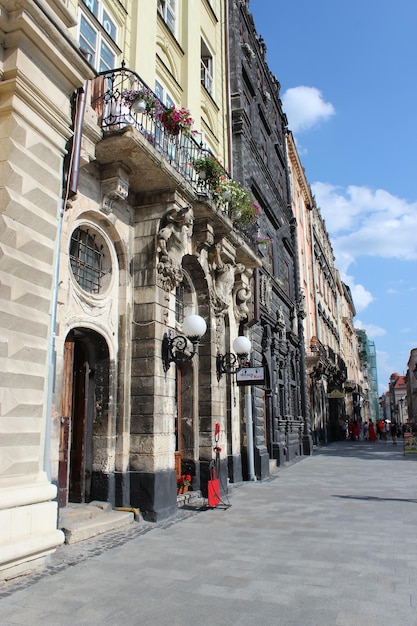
(184, 480)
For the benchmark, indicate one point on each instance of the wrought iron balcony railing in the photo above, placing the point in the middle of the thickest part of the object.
(177, 147)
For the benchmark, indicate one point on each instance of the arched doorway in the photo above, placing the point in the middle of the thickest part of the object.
(84, 417)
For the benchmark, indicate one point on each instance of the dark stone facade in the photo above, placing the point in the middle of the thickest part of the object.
(280, 415)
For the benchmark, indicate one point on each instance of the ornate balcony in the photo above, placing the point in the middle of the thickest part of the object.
(158, 155)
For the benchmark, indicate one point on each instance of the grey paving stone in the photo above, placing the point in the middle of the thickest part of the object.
(312, 546)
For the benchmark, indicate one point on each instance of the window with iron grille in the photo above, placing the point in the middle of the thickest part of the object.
(86, 259)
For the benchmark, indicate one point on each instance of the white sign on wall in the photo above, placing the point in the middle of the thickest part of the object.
(250, 376)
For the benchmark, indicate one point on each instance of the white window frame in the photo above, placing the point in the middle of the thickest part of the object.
(207, 68)
(167, 9)
(98, 18)
(162, 93)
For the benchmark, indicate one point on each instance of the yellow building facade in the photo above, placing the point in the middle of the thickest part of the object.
(111, 238)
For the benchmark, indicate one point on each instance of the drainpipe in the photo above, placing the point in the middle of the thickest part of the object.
(249, 431)
(69, 192)
(74, 166)
(52, 354)
(229, 103)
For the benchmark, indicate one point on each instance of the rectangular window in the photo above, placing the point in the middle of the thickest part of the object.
(162, 94)
(98, 35)
(246, 103)
(167, 9)
(206, 68)
(263, 146)
(286, 277)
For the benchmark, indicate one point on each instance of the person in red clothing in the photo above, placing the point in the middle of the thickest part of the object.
(355, 431)
(372, 433)
(381, 428)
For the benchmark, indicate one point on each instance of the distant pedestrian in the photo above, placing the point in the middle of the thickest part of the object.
(372, 434)
(394, 433)
(355, 431)
(381, 429)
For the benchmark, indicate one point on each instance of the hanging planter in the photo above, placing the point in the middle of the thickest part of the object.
(138, 106)
(176, 120)
(142, 101)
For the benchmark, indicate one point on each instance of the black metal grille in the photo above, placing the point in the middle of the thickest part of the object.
(86, 259)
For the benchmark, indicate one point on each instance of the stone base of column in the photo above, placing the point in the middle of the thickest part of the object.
(28, 527)
(154, 493)
(307, 445)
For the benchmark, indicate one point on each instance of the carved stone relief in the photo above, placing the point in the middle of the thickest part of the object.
(230, 285)
(173, 241)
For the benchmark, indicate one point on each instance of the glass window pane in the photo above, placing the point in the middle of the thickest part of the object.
(109, 26)
(107, 58)
(170, 22)
(159, 90)
(88, 39)
(92, 5)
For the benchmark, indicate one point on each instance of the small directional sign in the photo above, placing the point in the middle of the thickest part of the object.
(250, 376)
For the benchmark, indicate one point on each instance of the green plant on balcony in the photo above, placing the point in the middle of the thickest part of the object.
(242, 208)
(209, 170)
(263, 240)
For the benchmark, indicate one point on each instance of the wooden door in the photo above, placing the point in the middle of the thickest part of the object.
(178, 420)
(79, 425)
(65, 425)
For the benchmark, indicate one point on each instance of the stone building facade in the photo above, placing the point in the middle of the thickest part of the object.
(147, 242)
(103, 396)
(332, 356)
(124, 222)
(281, 427)
(40, 67)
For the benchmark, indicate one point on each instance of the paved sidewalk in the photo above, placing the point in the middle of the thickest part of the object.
(329, 541)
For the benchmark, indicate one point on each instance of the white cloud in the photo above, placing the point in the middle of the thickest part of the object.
(362, 222)
(305, 107)
(361, 297)
(371, 329)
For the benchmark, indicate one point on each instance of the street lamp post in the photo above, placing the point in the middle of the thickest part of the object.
(229, 363)
(175, 349)
(401, 412)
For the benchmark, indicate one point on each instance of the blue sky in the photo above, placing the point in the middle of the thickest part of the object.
(349, 88)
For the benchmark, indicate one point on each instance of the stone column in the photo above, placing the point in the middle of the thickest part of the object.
(38, 76)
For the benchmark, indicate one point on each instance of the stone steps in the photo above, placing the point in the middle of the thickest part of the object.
(79, 522)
